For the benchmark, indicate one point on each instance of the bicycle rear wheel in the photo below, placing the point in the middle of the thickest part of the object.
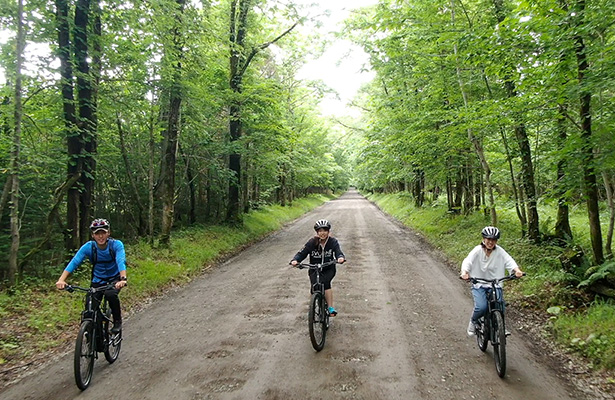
(84, 355)
(317, 321)
(113, 343)
(482, 335)
(499, 347)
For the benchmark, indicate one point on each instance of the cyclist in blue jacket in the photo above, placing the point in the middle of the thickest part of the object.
(108, 260)
(487, 261)
(322, 248)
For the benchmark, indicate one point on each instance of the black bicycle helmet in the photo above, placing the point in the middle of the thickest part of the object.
(322, 223)
(99, 223)
(490, 232)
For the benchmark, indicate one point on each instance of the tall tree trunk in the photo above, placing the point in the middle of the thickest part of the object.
(609, 185)
(238, 27)
(191, 187)
(15, 154)
(478, 147)
(171, 133)
(73, 142)
(562, 224)
(519, 207)
(129, 176)
(527, 167)
(150, 174)
(87, 88)
(589, 173)
(86, 113)
(239, 61)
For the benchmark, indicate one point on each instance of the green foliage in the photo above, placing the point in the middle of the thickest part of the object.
(590, 332)
(594, 274)
(35, 316)
(579, 322)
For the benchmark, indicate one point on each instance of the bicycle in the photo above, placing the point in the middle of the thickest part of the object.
(318, 314)
(492, 326)
(94, 335)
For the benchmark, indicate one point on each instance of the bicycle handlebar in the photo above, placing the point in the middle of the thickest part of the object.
(72, 288)
(314, 266)
(496, 281)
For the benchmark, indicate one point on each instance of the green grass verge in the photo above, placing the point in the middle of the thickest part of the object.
(579, 322)
(35, 317)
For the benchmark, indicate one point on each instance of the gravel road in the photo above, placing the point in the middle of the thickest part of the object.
(240, 331)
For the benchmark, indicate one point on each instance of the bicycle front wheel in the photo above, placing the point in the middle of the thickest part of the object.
(317, 321)
(113, 343)
(84, 355)
(499, 346)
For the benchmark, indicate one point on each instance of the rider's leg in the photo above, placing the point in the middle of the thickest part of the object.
(329, 297)
(480, 303)
(112, 296)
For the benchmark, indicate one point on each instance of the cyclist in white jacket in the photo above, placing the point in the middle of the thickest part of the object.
(487, 261)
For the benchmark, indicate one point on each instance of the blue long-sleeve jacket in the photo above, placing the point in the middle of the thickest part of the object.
(106, 267)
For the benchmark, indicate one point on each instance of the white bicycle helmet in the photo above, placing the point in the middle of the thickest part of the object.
(490, 232)
(322, 223)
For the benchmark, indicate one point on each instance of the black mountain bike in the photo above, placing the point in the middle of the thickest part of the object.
(94, 335)
(492, 327)
(318, 315)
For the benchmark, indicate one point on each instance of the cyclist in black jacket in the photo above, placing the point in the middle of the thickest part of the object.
(322, 248)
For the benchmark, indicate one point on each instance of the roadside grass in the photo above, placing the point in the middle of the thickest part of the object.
(578, 321)
(589, 333)
(36, 318)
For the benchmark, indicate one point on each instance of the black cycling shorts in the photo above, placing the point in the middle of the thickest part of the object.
(325, 277)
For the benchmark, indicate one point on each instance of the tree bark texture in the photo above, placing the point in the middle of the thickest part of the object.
(562, 224)
(73, 142)
(589, 173)
(527, 167)
(15, 154)
(171, 133)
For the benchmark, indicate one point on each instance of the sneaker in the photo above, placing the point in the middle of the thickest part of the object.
(117, 327)
(332, 311)
(471, 329)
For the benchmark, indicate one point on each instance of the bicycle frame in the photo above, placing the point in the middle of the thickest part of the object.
(94, 312)
(495, 302)
(318, 315)
(94, 336)
(493, 323)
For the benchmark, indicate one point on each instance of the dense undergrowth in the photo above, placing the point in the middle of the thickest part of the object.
(35, 317)
(579, 321)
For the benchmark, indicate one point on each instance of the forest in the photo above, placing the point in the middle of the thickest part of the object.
(155, 115)
(165, 114)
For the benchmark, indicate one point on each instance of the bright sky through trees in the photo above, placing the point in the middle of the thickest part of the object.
(341, 64)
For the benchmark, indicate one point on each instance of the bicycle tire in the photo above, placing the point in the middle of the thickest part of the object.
(499, 347)
(317, 321)
(84, 355)
(482, 335)
(113, 343)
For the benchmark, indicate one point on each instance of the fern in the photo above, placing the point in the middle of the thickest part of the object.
(600, 272)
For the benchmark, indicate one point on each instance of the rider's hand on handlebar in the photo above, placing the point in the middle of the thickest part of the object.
(341, 260)
(465, 276)
(60, 284)
(519, 273)
(293, 263)
(120, 284)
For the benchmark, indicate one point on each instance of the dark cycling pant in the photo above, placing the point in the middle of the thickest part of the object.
(112, 296)
(325, 277)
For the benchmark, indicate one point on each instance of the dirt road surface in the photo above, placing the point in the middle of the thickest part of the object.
(240, 331)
